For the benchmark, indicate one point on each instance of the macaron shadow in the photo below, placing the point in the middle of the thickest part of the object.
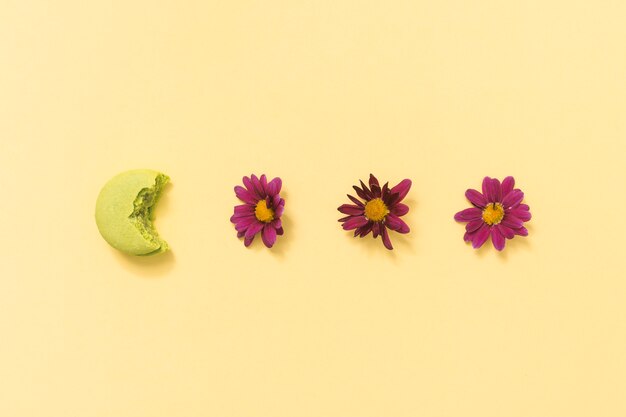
(153, 266)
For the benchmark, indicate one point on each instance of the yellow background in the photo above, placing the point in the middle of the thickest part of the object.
(320, 93)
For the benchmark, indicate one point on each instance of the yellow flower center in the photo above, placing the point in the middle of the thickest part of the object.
(263, 213)
(493, 213)
(376, 210)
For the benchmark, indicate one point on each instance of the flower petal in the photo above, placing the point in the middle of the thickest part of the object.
(366, 229)
(355, 201)
(361, 193)
(497, 239)
(386, 240)
(244, 209)
(278, 211)
(245, 196)
(397, 224)
(256, 183)
(400, 209)
(373, 180)
(254, 228)
(269, 235)
(522, 231)
(474, 225)
(367, 191)
(354, 222)
(481, 236)
(468, 214)
(247, 182)
(402, 189)
(243, 223)
(507, 185)
(274, 186)
(492, 190)
(512, 199)
(263, 180)
(486, 187)
(512, 221)
(523, 215)
(248, 240)
(476, 198)
(351, 209)
(507, 232)
(375, 229)
(277, 224)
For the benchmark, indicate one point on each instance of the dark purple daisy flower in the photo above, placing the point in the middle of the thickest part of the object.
(261, 211)
(380, 210)
(498, 212)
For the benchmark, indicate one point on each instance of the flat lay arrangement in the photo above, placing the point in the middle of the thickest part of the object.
(125, 211)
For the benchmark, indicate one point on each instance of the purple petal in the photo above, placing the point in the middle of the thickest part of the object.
(245, 196)
(523, 207)
(355, 201)
(248, 241)
(366, 229)
(512, 222)
(474, 225)
(248, 184)
(367, 191)
(257, 186)
(244, 209)
(481, 236)
(350, 209)
(373, 180)
(507, 232)
(386, 240)
(397, 224)
(468, 214)
(241, 234)
(355, 222)
(274, 186)
(279, 231)
(507, 185)
(243, 223)
(278, 212)
(376, 191)
(402, 189)
(512, 199)
(497, 239)
(487, 187)
(476, 198)
(263, 180)
(522, 231)
(523, 215)
(269, 235)
(360, 193)
(492, 189)
(277, 224)
(399, 209)
(254, 228)
(375, 229)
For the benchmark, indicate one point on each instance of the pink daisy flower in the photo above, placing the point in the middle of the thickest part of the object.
(498, 212)
(262, 210)
(380, 210)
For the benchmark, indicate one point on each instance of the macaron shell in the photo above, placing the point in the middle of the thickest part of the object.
(114, 206)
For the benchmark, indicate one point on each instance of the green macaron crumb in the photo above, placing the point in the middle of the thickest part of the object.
(125, 212)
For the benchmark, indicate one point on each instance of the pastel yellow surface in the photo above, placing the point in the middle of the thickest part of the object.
(320, 93)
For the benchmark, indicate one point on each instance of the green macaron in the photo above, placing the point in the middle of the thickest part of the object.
(125, 212)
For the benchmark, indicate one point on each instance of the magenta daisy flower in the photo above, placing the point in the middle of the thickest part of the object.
(498, 212)
(262, 210)
(380, 210)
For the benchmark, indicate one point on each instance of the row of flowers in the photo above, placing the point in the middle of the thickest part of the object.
(497, 212)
